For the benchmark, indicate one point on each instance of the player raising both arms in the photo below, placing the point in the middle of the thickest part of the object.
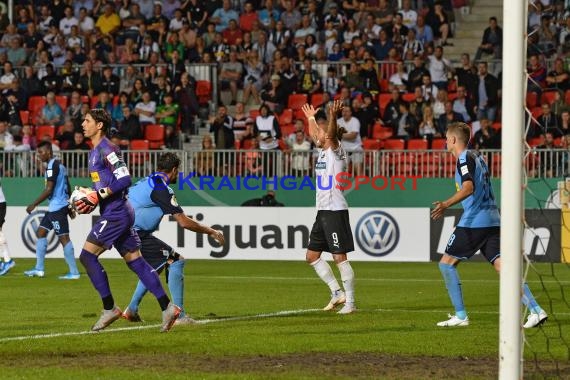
(152, 198)
(331, 231)
(111, 180)
(479, 226)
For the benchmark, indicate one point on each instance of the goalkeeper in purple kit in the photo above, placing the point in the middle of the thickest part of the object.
(111, 180)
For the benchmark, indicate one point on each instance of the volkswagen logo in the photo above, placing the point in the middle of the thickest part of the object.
(29, 228)
(377, 233)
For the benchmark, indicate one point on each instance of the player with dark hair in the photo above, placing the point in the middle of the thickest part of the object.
(478, 229)
(57, 190)
(152, 198)
(111, 180)
(331, 231)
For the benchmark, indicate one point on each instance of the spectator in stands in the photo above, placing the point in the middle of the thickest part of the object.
(424, 32)
(439, 68)
(137, 93)
(6, 138)
(264, 48)
(485, 138)
(73, 111)
(351, 140)
(173, 43)
(222, 127)
(253, 81)
(28, 137)
(429, 89)
(158, 88)
(185, 96)
(409, 15)
(105, 102)
(30, 83)
(31, 39)
(367, 113)
(45, 19)
(10, 111)
(274, 95)
(548, 122)
(291, 17)
(175, 68)
(231, 72)
(418, 104)
(222, 16)
(109, 22)
(299, 127)
(549, 156)
(564, 123)
(428, 127)
(492, 42)
(241, 119)
(51, 82)
(16, 53)
(448, 117)
(90, 82)
(269, 15)
(399, 80)
(537, 75)
(391, 113)
(204, 159)
(416, 75)
(370, 77)
(266, 129)
(438, 105)
(466, 76)
(331, 83)
(68, 21)
(79, 143)
(412, 45)
(463, 105)
(8, 78)
(86, 23)
(146, 110)
(247, 17)
(547, 36)
(167, 115)
(300, 155)
(130, 128)
(558, 78)
(65, 136)
(280, 37)
(487, 97)
(51, 113)
(406, 125)
(439, 21)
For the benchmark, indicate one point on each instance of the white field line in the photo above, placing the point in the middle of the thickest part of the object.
(283, 313)
(268, 278)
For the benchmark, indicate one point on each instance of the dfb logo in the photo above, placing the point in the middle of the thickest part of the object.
(377, 233)
(28, 232)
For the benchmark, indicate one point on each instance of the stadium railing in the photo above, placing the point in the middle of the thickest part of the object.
(421, 163)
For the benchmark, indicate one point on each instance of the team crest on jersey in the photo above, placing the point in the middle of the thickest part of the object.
(95, 177)
(173, 201)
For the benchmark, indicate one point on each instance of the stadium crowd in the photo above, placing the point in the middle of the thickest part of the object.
(385, 58)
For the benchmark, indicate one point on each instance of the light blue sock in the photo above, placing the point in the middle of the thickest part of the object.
(529, 301)
(69, 256)
(176, 283)
(138, 295)
(453, 286)
(41, 248)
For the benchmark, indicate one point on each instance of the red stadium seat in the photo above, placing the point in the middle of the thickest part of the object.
(35, 105)
(296, 101)
(438, 144)
(253, 113)
(42, 130)
(417, 144)
(203, 91)
(317, 100)
(154, 133)
(383, 100)
(408, 97)
(93, 101)
(287, 129)
(286, 117)
(531, 99)
(25, 116)
(394, 144)
(371, 144)
(62, 101)
(548, 97)
(139, 158)
(380, 132)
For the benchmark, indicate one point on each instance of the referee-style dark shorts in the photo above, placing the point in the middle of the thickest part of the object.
(465, 242)
(56, 220)
(331, 232)
(155, 251)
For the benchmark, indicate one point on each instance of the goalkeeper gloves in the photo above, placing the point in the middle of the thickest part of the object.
(88, 203)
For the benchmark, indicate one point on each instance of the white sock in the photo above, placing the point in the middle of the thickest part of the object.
(4, 247)
(324, 271)
(347, 276)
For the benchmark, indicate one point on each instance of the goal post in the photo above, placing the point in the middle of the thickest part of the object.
(512, 205)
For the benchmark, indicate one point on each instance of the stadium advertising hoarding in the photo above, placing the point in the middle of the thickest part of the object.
(255, 233)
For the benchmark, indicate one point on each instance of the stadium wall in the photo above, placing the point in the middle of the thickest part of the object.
(281, 233)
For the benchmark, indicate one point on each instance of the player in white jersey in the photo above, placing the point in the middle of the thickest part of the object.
(8, 263)
(331, 231)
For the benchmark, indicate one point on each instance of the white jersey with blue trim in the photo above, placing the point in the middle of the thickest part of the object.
(330, 163)
(480, 208)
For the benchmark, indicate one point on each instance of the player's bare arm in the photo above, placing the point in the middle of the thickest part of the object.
(310, 113)
(190, 224)
(42, 197)
(332, 127)
(440, 206)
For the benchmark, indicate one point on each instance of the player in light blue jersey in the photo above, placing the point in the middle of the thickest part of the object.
(478, 229)
(152, 198)
(57, 190)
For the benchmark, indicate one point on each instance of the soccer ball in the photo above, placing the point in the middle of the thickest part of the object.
(76, 195)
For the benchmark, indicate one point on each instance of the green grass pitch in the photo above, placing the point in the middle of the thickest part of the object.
(261, 320)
